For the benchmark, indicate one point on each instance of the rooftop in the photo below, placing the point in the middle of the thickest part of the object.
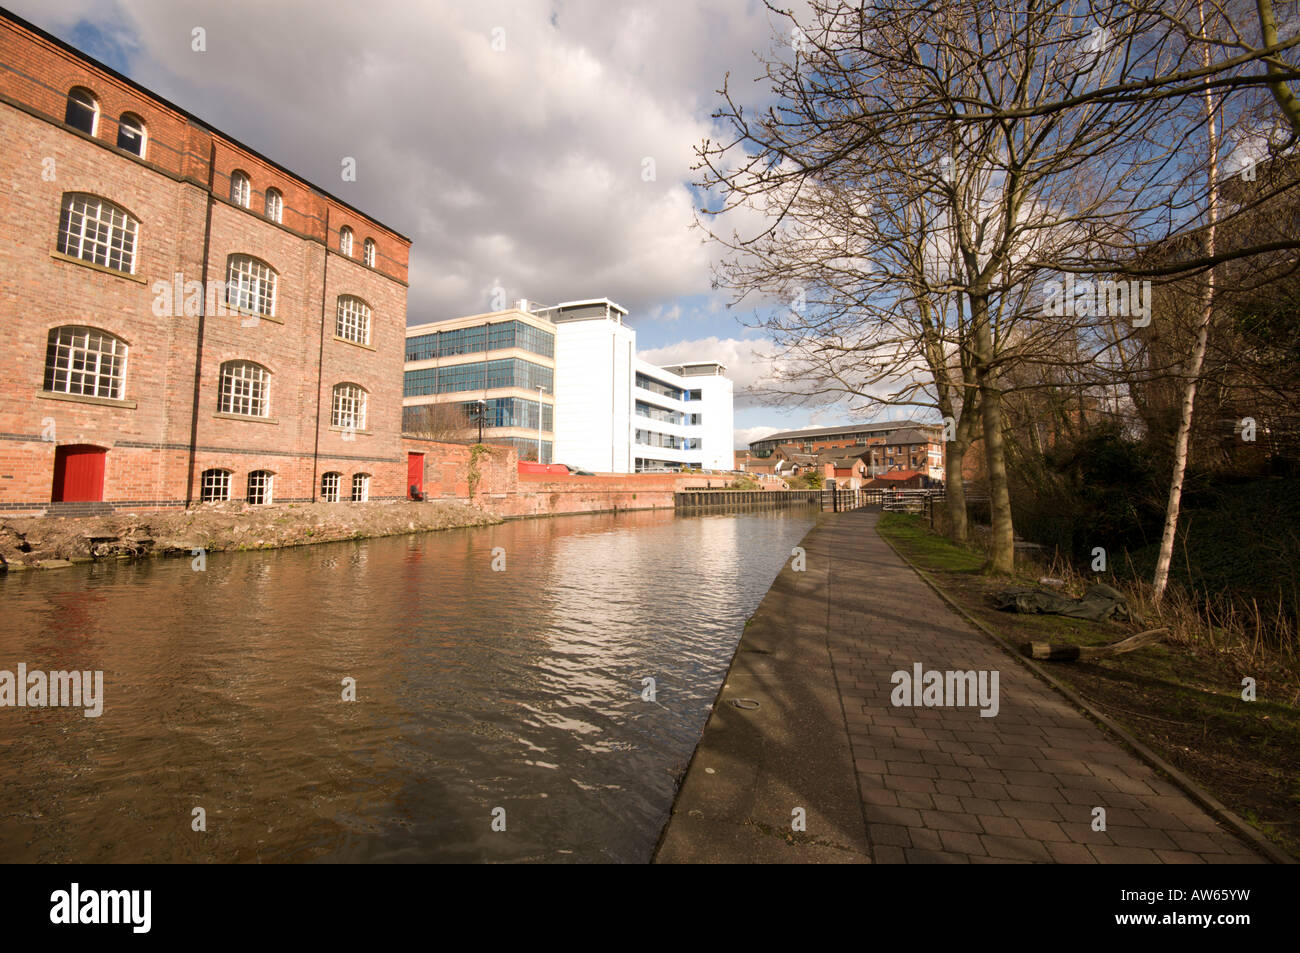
(846, 429)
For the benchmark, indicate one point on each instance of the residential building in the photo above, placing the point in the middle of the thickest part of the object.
(813, 439)
(885, 446)
(187, 320)
(899, 480)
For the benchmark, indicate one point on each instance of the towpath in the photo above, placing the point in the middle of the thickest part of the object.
(825, 749)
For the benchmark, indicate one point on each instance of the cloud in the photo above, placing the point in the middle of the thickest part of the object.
(747, 435)
(525, 164)
(749, 361)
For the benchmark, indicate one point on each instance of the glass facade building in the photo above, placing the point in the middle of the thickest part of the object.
(512, 412)
(480, 375)
(478, 340)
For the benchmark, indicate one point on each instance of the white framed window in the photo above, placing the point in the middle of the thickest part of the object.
(259, 487)
(329, 487)
(368, 252)
(215, 486)
(241, 188)
(131, 134)
(345, 240)
(96, 230)
(274, 205)
(245, 389)
(85, 361)
(353, 321)
(349, 410)
(250, 285)
(360, 487)
(83, 110)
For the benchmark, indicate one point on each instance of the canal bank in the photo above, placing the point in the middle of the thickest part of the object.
(54, 542)
(825, 748)
(776, 740)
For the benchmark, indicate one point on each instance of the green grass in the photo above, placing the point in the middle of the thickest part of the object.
(924, 547)
(1181, 700)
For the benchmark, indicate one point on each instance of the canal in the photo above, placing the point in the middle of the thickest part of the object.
(519, 688)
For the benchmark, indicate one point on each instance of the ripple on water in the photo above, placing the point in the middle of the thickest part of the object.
(475, 690)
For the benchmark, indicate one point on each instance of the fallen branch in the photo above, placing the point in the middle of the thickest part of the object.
(1070, 653)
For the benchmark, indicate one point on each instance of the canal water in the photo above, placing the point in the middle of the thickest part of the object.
(521, 688)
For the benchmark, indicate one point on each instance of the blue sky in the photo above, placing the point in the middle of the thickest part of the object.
(543, 146)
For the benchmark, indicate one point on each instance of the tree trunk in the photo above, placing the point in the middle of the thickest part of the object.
(954, 491)
(1192, 371)
(954, 458)
(1003, 555)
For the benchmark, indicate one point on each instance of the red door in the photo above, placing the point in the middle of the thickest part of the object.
(78, 474)
(415, 475)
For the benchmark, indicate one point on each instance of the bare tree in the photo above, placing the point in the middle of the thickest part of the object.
(443, 422)
(930, 110)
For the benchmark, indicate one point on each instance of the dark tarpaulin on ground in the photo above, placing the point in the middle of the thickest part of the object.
(1100, 603)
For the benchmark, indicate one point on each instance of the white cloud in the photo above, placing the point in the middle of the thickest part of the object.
(749, 361)
(747, 435)
(523, 165)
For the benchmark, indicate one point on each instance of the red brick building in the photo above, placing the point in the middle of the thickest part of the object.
(184, 318)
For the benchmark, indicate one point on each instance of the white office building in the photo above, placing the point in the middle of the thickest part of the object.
(612, 412)
(616, 413)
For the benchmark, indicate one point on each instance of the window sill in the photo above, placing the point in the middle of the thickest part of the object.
(355, 343)
(104, 269)
(366, 433)
(222, 415)
(233, 311)
(87, 399)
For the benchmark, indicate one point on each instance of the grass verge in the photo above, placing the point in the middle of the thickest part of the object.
(1182, 699)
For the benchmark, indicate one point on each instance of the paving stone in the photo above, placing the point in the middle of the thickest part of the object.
(1114, 854)
(962, 842)
(1001, 826)
(889, 834)
(1015, 848)
(1071, 853)
(935, 857)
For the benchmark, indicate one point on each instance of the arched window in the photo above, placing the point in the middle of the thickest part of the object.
(345, 240)
(131, 134)
(96, 230)
(353, 321)
(241, 188)
(360, 487)
(83, 110)
(259, 487)
(250, 285)
(215, 486)
(85, 361)
(274, 204)
(245, 389)
(349, 411)
(368, 252)
(329, 487)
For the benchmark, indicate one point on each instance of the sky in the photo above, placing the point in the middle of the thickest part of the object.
(542, 146)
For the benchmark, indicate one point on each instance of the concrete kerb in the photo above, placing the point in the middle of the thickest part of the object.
(728, 814)
(1213, 806)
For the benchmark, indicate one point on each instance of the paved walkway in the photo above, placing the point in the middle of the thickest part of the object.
(876, 782)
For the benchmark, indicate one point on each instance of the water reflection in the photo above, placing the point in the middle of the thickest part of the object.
(476, 689)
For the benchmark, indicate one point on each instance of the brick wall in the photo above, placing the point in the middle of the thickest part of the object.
(170, 402)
